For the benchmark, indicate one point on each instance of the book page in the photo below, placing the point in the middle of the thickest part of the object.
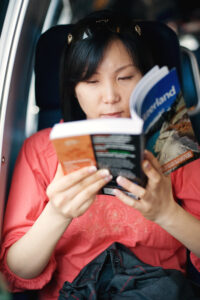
(97, 126)
(161, 73)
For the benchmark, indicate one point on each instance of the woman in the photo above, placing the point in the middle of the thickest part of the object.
(56, 224)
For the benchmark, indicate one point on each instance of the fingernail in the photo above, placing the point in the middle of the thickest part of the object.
(120, 180)
(108, 178)
(116, 192)
(92, 169)
(146, 165)
(104, 173)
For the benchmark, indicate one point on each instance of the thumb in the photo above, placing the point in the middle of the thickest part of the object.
(51, 187)
(59, 172)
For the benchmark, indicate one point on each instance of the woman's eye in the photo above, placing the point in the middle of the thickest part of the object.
(126, 77)
(92, 81)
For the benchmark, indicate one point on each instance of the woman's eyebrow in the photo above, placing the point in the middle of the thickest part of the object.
(118, 69)
(124, 67)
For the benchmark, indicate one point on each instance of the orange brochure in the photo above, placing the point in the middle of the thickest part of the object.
(75, 152)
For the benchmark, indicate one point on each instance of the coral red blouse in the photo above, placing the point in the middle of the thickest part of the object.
(106, 221)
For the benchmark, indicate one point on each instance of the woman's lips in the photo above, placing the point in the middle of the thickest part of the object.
(112, 115)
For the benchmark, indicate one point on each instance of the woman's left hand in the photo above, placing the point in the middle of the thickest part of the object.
(155, 201)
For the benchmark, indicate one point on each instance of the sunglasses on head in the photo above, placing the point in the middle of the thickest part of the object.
(100, 26)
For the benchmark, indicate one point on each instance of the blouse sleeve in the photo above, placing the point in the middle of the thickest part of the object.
(26, 201)
(186, 185)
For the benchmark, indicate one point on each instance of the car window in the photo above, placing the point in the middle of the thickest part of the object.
(3, 9)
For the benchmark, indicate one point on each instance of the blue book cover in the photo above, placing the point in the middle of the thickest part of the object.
(167, 126)
(159, 99)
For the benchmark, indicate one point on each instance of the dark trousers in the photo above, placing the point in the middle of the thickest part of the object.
(118, 274)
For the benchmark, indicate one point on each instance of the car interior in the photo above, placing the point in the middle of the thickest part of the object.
(31, 66)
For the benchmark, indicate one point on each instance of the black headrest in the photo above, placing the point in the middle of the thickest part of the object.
(47, 63)
(162, 41)
(164, 44)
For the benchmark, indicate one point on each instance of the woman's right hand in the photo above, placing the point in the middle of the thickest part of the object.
(69, 197)
(72, 194)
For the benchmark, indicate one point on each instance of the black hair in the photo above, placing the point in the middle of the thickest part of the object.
(83, 55)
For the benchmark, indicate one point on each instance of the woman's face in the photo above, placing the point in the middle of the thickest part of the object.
(106, 94)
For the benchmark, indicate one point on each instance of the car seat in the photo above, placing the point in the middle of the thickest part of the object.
(49, 50)
(47, 60)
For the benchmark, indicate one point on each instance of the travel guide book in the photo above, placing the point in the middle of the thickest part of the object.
(159, 122)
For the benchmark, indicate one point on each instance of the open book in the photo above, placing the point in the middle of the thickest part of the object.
(159, 122)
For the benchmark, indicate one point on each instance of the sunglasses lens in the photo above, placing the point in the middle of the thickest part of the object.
(103, 25)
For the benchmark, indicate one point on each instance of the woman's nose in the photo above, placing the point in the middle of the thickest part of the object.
(110, 93)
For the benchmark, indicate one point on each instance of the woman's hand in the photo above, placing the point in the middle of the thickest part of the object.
(155, 201)
(71, 195)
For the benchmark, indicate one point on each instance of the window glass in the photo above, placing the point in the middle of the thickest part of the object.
(3, 9)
